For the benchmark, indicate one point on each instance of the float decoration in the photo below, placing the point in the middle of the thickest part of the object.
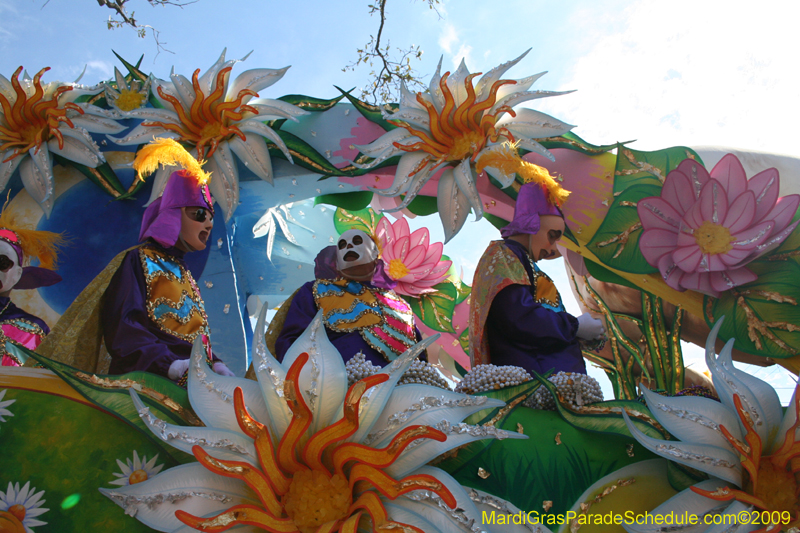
(746, 441)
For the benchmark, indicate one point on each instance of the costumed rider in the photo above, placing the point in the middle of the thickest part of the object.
(517, 316)
(145, 308)
(362, 313)
(18, 246)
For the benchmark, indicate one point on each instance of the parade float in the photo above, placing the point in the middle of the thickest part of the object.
(660, 244)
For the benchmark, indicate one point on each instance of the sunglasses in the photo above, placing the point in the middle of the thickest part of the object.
(201, 214)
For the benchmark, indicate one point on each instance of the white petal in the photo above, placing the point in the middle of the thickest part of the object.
(466, 182)
(523, 96)
(417, 455)
(7, 169)
(693, 419)
(255, 155)
(221, 443)
(402, 179)
(384, 143)
(455, 82)
(533, 146)
(423, 405)
(269, 109)
(323, 378)
(374, 400)
(533, 124)
(411, 191)
(209, 77)
(224, 184)
(712, 460)
(453, 205)
(184, 89)
(499, 174)
(398, 512)
(758, 399)
(254, 126)
(408, 100)
(144, 134)
(488, 79)
(256, 80)
(729, 524)
(418, 118)
(75, 150)
(522, 85)
(271, 375)
(488, 503)
(154, 115)
(789, 420)
(211, 394)
(160, 181)
(96, 124)
(37, 177)
(189, 487)
(435, 92)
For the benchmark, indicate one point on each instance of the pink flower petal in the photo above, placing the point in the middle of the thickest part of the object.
(694, 217)
(713, 202)
(415, 257)
(735, 256)
(400, 248)
(687, 258)
(700, 282)
(752, 236)
(712, 263)
(401, 228)
(685, 237)
(434, 252)
(765, 187)
(730, 173)
(775, 240)
(420, 237)
(677, 192)
(783, 212)
(723, 281)
(697, 174)
(655, 212)
(654, 243)
(741, 213)
(383, 231)
(670, 272)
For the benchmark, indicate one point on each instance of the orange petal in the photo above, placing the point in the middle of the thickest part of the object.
(371, 503)
(301, 418)
(351, 524)
(726, 494)
(382, 458)
(390, 488)
(790, 448)
(244, 471)
(238, 515)
(312, 452)
(260, 434)
(459, 116)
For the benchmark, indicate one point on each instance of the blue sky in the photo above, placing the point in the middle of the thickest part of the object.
(665, 73)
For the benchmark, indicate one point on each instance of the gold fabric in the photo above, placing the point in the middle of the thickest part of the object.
(77, 337)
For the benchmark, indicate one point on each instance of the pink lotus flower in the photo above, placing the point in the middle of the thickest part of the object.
(410, 258)
(704, 229)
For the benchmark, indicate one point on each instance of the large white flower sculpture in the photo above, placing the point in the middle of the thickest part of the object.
(218, 119)
(300, 451)
(37, 121)
(748, 446)
(464, 129)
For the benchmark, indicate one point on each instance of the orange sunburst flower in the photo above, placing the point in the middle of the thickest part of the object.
(321, 484)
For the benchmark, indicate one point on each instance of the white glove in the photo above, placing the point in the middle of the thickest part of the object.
(178, 368)
(222, 370)
(589, 327)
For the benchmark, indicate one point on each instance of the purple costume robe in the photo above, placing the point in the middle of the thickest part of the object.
(132, 339)
(302, 311)
(523, 332)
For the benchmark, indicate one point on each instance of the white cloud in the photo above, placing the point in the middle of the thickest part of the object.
(463, 53)
(720, 75)
(448, 38)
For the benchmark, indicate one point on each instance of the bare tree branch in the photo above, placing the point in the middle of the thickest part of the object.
(390, 68)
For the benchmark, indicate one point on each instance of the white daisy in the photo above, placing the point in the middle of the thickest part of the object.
(136, 470)
(24, 504)
(464, 129)
(218, 118)
(3, 405)
(38, 120)
(299, 450)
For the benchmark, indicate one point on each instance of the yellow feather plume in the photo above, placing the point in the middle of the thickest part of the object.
(508, 161)
(43, 245)
(168, 152)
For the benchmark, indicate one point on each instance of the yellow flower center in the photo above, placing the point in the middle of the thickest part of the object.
(137, 476)
(10, 523)
(713, 238)
(129, 100)
(18, 511)
(315, 499)
(397, 269)
(776, 487)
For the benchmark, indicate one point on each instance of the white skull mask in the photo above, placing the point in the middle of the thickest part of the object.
(10, 269)
(355, 248)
